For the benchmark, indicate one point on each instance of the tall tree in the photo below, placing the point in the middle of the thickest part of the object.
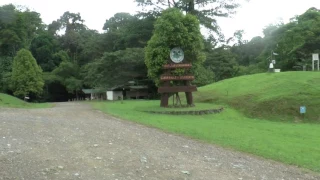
(299, 39)
(73, 25)
(68, 74)
(247, 53)
(222, 62)
(173, 29)
(5, 73)
(26, 75)
(115, 68)
(43, 48)
(126, 31)
(17, 29)
(205, 10)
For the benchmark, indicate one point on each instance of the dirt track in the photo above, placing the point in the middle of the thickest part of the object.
(72, 141)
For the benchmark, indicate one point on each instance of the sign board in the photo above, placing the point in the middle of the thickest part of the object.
(315, 57)
(168, 78)
(174, 66)
(175, 89)
(303, 109)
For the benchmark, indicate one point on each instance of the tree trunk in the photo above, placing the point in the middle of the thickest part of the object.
(190, 7)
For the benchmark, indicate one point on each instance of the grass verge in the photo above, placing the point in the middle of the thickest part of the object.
(13, 102)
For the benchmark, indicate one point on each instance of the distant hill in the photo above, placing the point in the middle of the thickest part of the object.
(274, 96)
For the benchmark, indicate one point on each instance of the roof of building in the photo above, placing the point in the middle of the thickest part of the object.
(89, 91)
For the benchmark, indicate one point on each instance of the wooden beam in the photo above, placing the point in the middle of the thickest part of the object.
(172, 78)
(174, 89)
(175, 66)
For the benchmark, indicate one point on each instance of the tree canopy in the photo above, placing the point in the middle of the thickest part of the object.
(135, 46)
(205, 10)
(173, 29)
(26, 75)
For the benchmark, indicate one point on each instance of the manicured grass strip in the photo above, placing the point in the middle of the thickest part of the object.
(295, 144)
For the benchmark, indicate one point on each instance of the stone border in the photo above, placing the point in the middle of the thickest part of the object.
(199, 112)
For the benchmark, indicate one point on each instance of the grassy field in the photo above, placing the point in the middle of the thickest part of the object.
(291, 143)
(12, 102)
(272, 96)
(250, 103)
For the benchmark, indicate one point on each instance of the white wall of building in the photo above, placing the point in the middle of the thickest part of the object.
(113, 95)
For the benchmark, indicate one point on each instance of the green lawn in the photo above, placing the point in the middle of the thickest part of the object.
(291, 143)
(12, 102)
(272, 96)
(250, 103)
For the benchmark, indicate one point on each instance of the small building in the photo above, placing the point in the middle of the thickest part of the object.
(128, 92)
(138, 89)
(138, 92)
(92, 94)
(114, 95)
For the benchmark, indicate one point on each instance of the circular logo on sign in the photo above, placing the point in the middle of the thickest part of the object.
(177, 55)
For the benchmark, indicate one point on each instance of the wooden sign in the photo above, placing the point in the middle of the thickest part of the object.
(172, 78)
(174, 89)
(175, 66)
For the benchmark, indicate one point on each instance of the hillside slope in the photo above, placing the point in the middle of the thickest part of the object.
(274, 96)
(10, 101)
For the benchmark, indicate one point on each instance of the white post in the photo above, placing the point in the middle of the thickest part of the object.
(315, 57)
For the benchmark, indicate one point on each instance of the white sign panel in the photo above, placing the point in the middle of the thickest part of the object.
(315, 57)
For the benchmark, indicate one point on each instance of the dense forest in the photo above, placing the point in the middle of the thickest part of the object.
(66, 56)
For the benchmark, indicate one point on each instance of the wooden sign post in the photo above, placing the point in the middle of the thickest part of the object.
(184, 80)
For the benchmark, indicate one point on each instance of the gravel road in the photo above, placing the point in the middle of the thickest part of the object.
(73, 141)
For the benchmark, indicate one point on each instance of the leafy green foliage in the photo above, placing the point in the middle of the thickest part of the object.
(26, 76)
(222, 62)
(203, 76)
(294, 43)
(116, 68)
(247, 53)
(68, 74)
(205, 10)
(300, 39)
(5, 73)
(43, 49)
(97, 57)
(173, 29)
(17, 29)
(126, 31)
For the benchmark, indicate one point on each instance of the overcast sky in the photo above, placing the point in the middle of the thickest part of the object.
(252, 17)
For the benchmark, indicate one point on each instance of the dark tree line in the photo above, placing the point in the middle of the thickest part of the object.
(72, 56)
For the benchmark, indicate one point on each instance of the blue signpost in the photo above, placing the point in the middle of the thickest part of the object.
(303, 109)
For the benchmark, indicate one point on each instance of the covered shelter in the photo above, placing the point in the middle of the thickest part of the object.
(92, 94)
(129, 91)
(115, 93)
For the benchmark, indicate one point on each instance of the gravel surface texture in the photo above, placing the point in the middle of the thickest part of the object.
(73, 141)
